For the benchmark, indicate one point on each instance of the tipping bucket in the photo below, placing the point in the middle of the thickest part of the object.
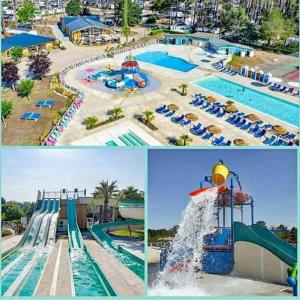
(219, 173)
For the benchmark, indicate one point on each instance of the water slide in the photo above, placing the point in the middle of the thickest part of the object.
(88, 279)
(261, 236)
(22, 268)
(134, 263)
(139, 80)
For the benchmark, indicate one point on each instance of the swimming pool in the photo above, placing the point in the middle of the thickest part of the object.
(273, 106)
(130, 139)
(163, 59)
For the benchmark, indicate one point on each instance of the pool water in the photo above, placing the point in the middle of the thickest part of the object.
(111, 143)
(273, 106)
(163, 59)
(130, 139)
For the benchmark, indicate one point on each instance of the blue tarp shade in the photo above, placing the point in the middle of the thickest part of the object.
(45, 103)
(24, 40)
(81, 23)
(31, 116)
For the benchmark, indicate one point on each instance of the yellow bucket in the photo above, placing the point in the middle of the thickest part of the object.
(219, 173)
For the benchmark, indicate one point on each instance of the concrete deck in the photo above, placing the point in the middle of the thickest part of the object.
(122, 280)
(56, 278)
(98, 102)
(217, 285)
(10, 242)
(135, 247)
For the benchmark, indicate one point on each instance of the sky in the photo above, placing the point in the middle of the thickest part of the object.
(25, 171)
(270, 176)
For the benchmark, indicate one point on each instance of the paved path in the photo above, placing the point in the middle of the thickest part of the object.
(56, 278)
(10, 242)
(122, 280)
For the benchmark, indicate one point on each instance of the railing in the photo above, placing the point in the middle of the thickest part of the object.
(63, 122)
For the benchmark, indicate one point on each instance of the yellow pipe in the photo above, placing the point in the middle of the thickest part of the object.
(219, 173)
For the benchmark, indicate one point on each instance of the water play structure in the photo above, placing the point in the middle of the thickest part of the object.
(23, 266)
(129, 76)
(213, 239)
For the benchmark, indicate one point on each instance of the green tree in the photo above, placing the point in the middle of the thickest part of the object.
(134, 12)
(293, 235)
(151, 19)
(73, 8)
(183, 88)
(261, 223)
(26, 12)
(25, 88)
(235, 19)
(16, 53)
(162, 6)
(149, 116)
(272, 27)
(184, 140)
(116, 112)
(12, 212)
(106, 191)
(131, 192)
(6, 110)
(90, 122)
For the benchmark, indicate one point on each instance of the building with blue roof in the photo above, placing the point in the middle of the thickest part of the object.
(87, 30)
(30, 43)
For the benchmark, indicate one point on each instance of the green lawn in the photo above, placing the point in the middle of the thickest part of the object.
(126, 233)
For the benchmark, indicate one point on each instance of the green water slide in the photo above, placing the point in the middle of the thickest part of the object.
(263, 237)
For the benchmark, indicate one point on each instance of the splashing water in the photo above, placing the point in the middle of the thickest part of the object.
(184, 255)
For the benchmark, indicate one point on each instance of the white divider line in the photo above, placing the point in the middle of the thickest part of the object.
(55, 276)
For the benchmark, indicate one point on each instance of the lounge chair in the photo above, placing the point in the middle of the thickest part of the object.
(247, 126)
(221, 113)
(199, 102)
(185, 122)
(270, 140)
(254, 129)
(31, 116)
(289, 90)
(195, 128)
(160, 109)
(236, 121)
(297, 94)
(280, 142)
(241, 123)
(228, 143)
(260, 134)
(200, 132)
(177, 120)
(218, 141)
(215, 111)
(169, 114)
(283, 89)
(208, 136)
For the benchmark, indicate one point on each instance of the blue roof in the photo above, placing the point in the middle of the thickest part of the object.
(83, 22)
(23, 40)
(70, 19)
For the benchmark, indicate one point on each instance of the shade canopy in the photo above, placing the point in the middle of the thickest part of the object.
(214, 129)
(231, 108)
(253, 117)
(191, 116)
(240, 142)
(173, 106)
(278, 129)
(211, 99)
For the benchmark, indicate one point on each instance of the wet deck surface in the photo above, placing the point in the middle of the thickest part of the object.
(123, 281)
(56, 279)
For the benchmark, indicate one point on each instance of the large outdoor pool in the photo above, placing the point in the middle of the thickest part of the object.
(163, 59)
(273, 106)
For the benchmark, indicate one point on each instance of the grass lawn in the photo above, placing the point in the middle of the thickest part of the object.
(27, 132)
(259, 58)
(126, 233)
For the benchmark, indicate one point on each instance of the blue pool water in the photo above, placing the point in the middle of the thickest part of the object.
(273, 106)
(163, 59)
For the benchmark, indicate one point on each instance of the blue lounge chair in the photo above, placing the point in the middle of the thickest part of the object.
(177, 120)
(254, 129)
(228, 143)
(218, 141)
(241, 123)
(186, 122)
(280, 142)
(31, 116)
(283, 89)
(45, 103)
(199, 102)
(208, 136)
(160, 109)
(260, 134)
(270, 140)
(297, 94)
(291, 136)
(215, 111)
(195, 128)
(205, 105)
(221, 114)
(200, 132)
(246, 126)
(289, 90)
(236, 121)
(169, 114)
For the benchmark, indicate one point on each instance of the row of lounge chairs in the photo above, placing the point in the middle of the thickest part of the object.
(284, 89)
(219, 67)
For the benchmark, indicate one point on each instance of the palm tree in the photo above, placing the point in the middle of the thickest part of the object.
(149, 116)
(106, 191)
(184, 140)
(116, 112)
(90, 122)
(25, 88)
(183, 88)
(126, 28)
(131, 192)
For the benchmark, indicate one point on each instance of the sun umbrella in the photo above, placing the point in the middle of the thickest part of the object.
(191, 116)
(231, 108)
(211, 99)
(240, 142)
(278, 129)
(214, 129)
(253, 117)
(173, 106)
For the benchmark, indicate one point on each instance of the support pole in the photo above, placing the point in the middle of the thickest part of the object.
(252, 211)
(232, 212)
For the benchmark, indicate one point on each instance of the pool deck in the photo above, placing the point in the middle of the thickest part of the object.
(98, 102)
(122, 280)
(10, 242)
(56, 278)
(135, 247)
(223, 285)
